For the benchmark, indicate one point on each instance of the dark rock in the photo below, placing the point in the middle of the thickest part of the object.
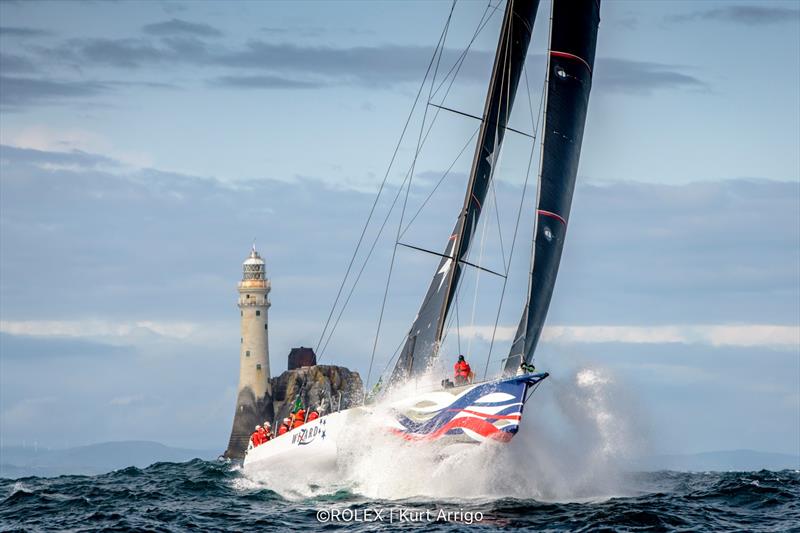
(325, 388)
(302, 356)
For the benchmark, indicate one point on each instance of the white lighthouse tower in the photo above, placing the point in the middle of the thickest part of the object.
(254, 401)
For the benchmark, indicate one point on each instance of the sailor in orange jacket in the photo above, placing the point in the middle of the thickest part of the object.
(255, 438)
(299, 418)
(265, 436)
(462, 371)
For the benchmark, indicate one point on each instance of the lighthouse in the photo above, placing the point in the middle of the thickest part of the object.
(254, 399)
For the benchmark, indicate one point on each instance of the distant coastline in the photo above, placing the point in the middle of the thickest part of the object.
(92, 459)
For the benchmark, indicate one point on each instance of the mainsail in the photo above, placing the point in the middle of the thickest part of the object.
(573, 37)
(423, 338)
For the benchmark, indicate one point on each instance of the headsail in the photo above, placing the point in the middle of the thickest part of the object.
(573, 37)
(426, 332)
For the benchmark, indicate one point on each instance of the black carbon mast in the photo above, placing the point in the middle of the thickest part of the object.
(423, 338)
(573, 39)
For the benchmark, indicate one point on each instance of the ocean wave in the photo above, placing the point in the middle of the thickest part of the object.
(216, 496)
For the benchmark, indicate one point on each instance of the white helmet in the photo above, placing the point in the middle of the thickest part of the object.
(267, 425)
(286, 420)
(258, 426)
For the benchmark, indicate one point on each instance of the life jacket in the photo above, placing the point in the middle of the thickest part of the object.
(299, 418)
(264, 435)
(255, 438)
(313, 415)
(283, 429)
(462, 369)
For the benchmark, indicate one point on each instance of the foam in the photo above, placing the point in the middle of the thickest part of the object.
(575, 435)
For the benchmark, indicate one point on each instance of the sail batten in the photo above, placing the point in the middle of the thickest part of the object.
(426, 332)
(573, 40)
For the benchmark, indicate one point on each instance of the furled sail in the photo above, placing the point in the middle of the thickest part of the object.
(423, 338)
(573, 37)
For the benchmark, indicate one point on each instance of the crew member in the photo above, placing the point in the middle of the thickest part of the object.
(255, 438)
(313, 415)
(299, 418)
(462, 371)
(284, 428)
(264, 432)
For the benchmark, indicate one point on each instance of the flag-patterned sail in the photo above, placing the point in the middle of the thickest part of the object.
(425, 334)
(573, 38)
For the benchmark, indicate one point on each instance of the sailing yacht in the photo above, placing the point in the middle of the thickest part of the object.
(492, 409)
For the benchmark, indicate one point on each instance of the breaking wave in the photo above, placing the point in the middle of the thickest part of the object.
(216, 496)
(574, 441)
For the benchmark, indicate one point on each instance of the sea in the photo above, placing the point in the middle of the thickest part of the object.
(571, 467)
(216, 496)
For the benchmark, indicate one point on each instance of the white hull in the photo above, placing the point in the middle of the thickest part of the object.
(470, 414)
(313, 444)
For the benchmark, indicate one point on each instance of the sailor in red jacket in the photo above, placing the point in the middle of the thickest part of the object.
(264, 432)
(313, 415)
(284, 427)
(255, 438)
(268, 431)
(462, 371)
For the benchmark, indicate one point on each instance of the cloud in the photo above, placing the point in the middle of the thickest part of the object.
(47, 147)
(668, 255)
(23, 32)
(124, 401)
(181, 27)
(741, 335)
(263, 82)
(122, 53)
(381, 65)
(74, 159)
(11, 64)
(627, 76)
(314, 31)
(34, 347)
(171, 8)
(752, 15)
(282, 65)
(17, 92)
(99, 328)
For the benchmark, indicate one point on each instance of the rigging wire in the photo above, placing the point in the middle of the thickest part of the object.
(446, 173)
(386, 176)
(481, 24)
(457, 66)
(519, 210)
(458, 326)
(388, 215)
(408, 190)
(380, 232)
(505, 87)
(459, 63)
(499, 228)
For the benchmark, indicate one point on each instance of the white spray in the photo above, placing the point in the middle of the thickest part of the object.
(574, 439)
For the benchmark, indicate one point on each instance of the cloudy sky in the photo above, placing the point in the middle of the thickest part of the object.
(146, 144)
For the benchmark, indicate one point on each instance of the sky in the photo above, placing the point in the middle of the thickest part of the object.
(144, 145)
